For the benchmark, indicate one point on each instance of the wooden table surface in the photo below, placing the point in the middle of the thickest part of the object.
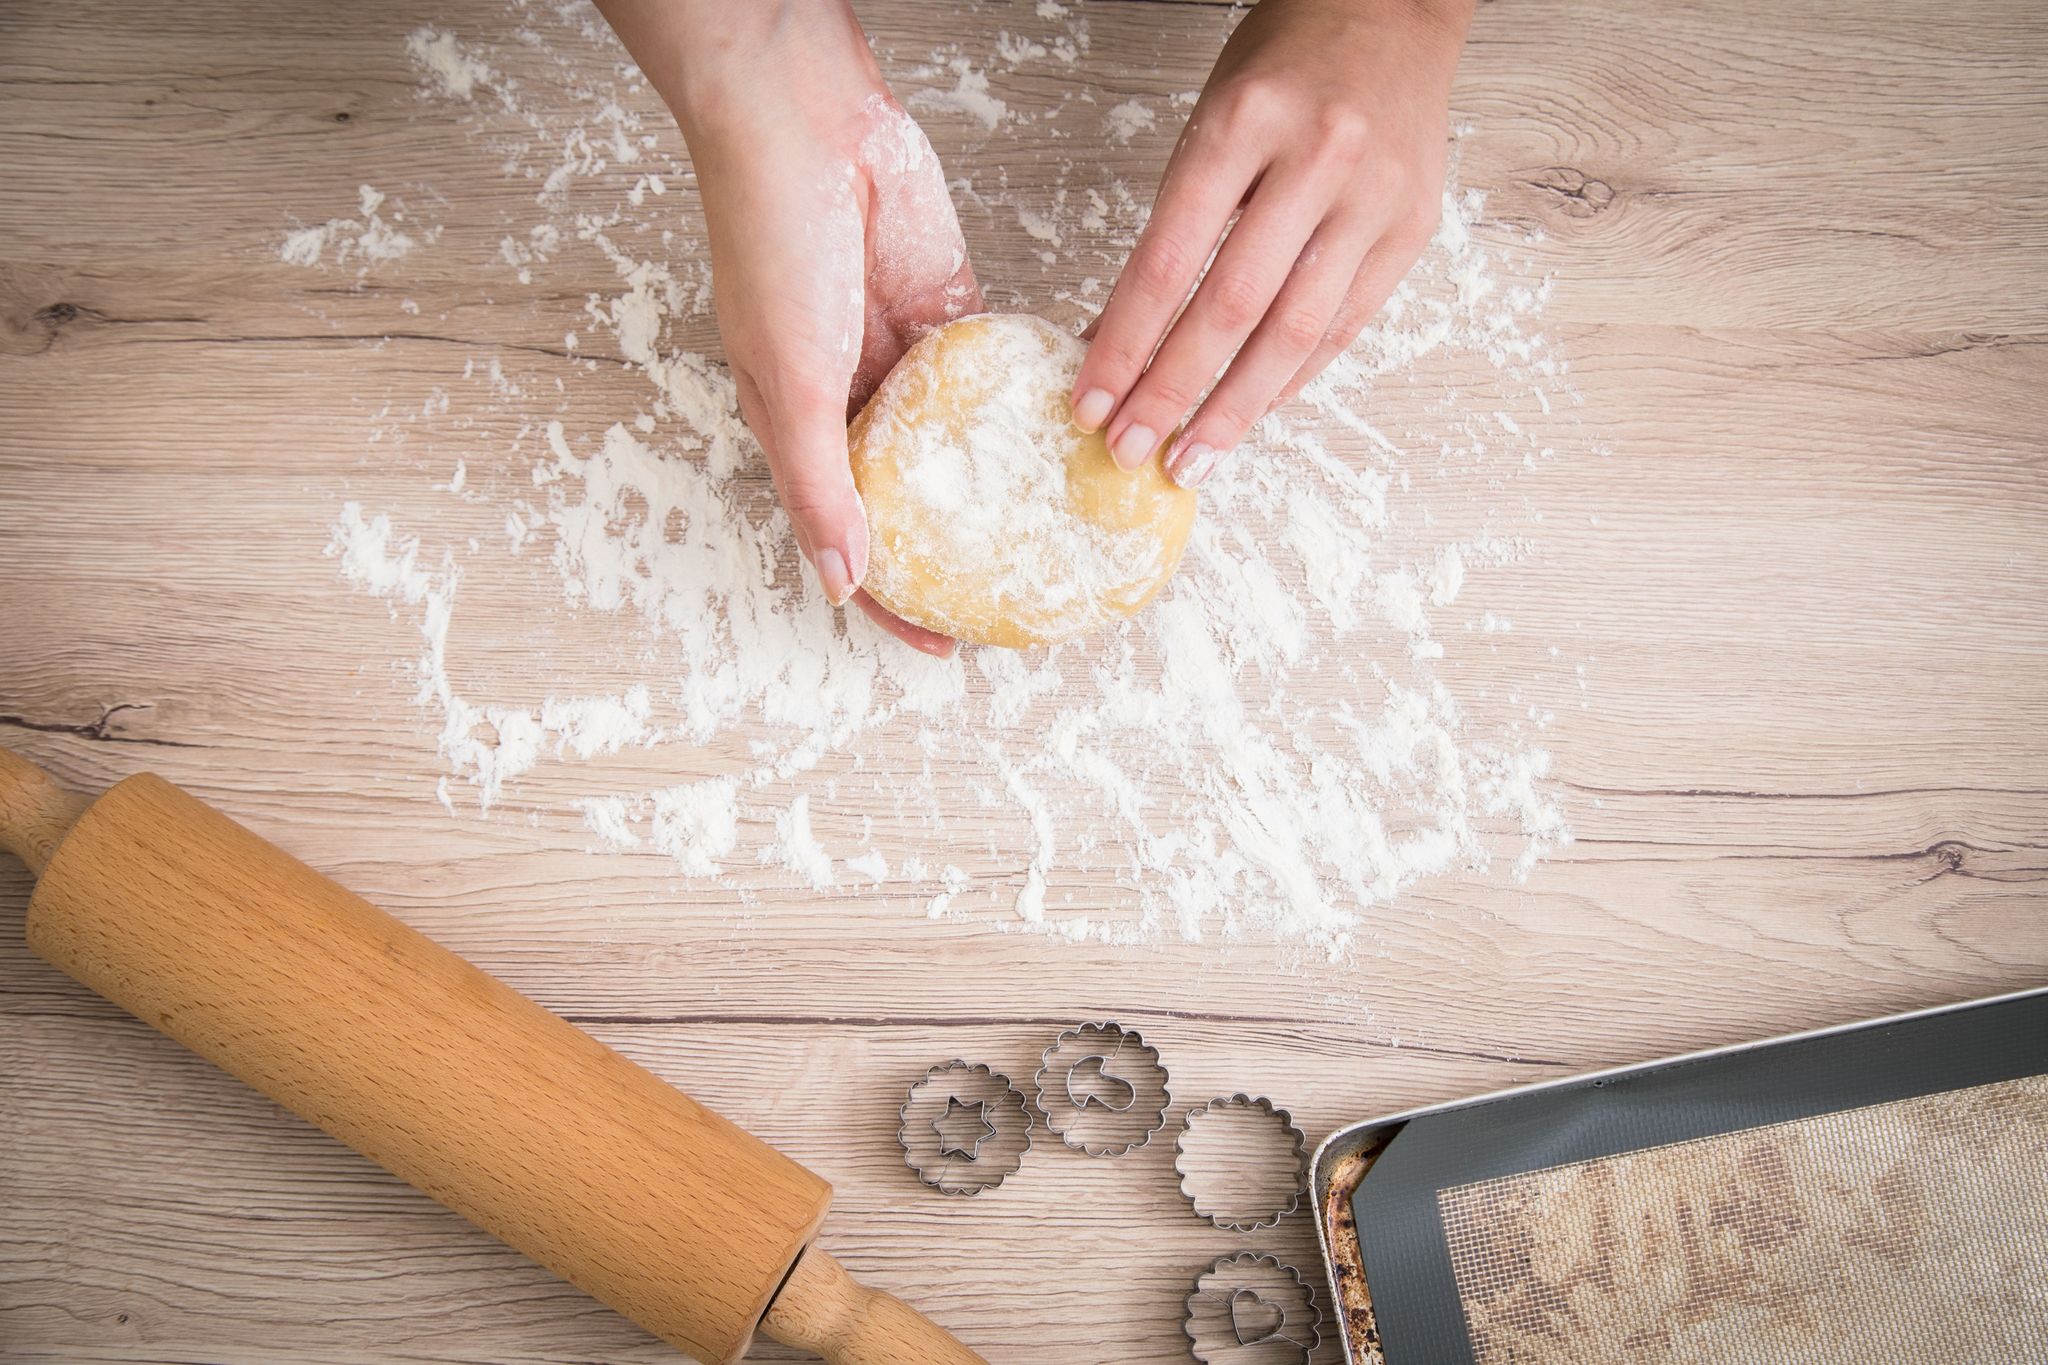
(1801, 263)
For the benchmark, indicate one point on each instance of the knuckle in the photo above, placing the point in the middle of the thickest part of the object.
(1298, 330)
(1235, 302)
(1113, 360)
(1224, 419)
(1342, 131)
(1162, 266)
(808, 507)
(808, 483)
(1342, 331)
(802, 492)
(1260, 100)
(805, 387)
(1166, 396)
(1350, 316)
(1419, 223)
(1336, 344)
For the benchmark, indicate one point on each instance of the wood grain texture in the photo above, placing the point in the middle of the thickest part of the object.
(1802, 266)
(470, 1092)
(35, 813)
(822, 1309)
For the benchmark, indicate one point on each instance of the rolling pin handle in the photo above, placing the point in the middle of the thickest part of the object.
(171, 910)
(35, 813)
(823, 1309)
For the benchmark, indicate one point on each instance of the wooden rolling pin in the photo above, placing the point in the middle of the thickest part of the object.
(445, 1076)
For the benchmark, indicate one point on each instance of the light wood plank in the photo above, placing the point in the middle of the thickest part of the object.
(1800, 277)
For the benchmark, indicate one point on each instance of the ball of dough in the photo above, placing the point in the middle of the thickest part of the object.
(991, 518)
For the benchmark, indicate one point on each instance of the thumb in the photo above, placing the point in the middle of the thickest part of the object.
(807, 456)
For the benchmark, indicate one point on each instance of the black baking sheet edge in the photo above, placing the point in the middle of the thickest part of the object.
(1407, 1260)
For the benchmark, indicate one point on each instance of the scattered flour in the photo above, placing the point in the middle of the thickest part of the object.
(954, 882)
(1269, 751)
(796, 848)
(969, 96)
(368, 238)
(696, 824)
(1128, 119)
(871, 865)
(452, 70)
(1447, 576)
(607, 817)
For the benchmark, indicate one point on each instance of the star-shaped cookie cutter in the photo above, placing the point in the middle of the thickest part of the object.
(949, 1129)
(964, 1128)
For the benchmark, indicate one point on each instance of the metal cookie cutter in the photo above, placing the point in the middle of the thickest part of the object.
(1103, 1089)
(1249, 1309)
(1224, 1159)
(964, 1129)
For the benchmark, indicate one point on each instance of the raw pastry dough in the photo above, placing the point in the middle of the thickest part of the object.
(991, 518)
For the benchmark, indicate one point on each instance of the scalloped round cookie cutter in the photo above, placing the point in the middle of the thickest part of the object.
(1103, 1089)
(1252, 1309)
(1191, 1166)
(964, 1128)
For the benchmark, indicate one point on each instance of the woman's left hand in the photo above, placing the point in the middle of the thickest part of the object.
(1326, 121)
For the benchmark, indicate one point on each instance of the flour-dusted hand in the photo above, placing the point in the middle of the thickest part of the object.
(1325, 123)
(833, 242)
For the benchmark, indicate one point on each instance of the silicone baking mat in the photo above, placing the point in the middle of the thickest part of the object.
(1870, 1194)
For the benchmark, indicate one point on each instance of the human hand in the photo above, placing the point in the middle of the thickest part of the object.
(833, 243)
(1325, 121)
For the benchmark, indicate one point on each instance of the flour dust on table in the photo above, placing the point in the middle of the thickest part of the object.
(1273, 748)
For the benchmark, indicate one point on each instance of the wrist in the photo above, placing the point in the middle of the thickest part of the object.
(724, 69)
(1449, 19)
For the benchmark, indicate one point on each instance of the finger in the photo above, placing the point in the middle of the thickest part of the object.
(1205, 182)
(917, 637)
(1232, 299)
(893, 324)
(1384, 267)
(962, 294)
(803, 430)
(1294, 327)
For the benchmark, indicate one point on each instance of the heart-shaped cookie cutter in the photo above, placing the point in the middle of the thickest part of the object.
(1254, 1318)
(1103, 1089)
(1251, 1309)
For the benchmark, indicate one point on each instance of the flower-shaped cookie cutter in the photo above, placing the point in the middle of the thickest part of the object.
(1250, 1309)
(1219, 1140)
(1103, 1089)
(964, 1128)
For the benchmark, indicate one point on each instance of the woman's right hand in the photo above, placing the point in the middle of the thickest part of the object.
(833, 242)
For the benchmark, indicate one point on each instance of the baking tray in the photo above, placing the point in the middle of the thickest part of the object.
(1721, 1091)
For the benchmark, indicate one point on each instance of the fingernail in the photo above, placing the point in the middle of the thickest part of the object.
(1191, 464)
(832, 575)
(1136, 445)
(1091, 409)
